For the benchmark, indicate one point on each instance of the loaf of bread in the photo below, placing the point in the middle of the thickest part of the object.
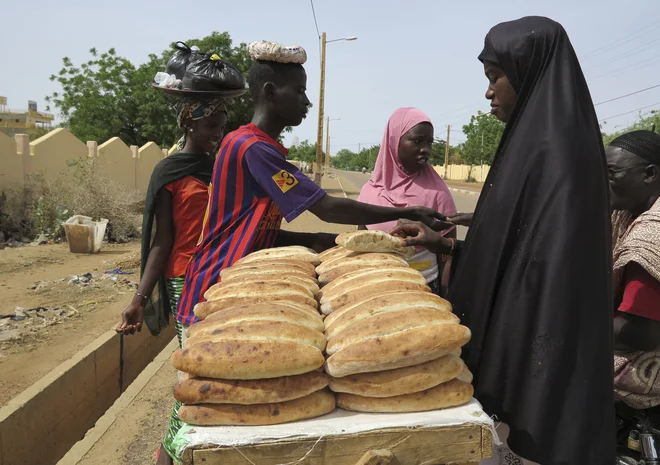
(334, 252)
(374, 240)
(311, 406)
(363, 290)
(248, 392)
(287, 265)
(249, 287)
(402, 380)
(356, 278)
(388, 323)
(450, 394)
(400, 349)
(293, 252)
(311, 284)
(275, 311)
(261, 330)
(387, 302)
(240, 359)
(466, 376)
(333, 269)
(237, 287)
(204, 309)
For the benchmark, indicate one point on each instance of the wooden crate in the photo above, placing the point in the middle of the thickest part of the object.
(463, 444)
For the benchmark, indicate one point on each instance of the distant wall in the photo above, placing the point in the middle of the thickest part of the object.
(476, 173)
(50, 155)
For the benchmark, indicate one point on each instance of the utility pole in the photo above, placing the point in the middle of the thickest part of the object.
(327, 144)
(319, 134)
(447, 151)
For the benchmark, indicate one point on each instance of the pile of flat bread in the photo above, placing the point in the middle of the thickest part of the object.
(393, 346)
(256, 356)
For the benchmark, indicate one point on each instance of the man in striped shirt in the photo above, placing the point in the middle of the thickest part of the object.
(253, 187)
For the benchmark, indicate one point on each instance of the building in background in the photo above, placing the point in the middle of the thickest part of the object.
(30, 121)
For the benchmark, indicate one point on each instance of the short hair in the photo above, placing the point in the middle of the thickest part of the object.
(269, 71)
(644, 144)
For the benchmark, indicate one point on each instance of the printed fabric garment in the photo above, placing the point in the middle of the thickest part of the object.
(252, 189)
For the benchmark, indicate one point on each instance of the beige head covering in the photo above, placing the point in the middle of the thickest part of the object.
(264, 50)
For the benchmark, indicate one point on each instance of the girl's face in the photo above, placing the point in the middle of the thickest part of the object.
(207, 133)
(501, 94)
(415, 147)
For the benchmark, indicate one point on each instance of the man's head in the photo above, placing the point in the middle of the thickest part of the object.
(633, 165)
(280, 90)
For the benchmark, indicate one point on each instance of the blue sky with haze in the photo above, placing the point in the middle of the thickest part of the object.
(418, 53)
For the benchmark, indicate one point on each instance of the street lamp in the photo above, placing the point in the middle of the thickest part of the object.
(327, 140)
(319, 134)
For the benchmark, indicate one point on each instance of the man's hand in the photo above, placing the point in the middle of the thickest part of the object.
(323, 242)
(429, 217)
(418, 234)
(461, 219)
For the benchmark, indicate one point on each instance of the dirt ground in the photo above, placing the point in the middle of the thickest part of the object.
(60, 309)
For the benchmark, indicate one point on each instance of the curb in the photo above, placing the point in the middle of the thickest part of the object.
(464, 191)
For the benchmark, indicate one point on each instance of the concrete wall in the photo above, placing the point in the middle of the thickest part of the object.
(11, 163)
(464, 172)
(43, 422)
(51, 154)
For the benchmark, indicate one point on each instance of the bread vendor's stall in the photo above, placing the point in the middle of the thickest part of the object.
(460, 435)
(374, 377)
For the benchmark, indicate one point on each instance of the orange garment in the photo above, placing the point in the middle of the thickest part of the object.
(189, 199)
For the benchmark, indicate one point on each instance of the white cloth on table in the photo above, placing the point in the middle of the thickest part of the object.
(502, 455)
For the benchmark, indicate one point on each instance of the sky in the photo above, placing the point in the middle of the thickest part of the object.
(419, 53)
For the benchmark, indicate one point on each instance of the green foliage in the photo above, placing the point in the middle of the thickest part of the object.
(352, 161)
(483, 136)
(304, 152)
(643, 122)
(108, 96)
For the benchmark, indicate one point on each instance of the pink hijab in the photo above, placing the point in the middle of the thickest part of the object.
(391, 186)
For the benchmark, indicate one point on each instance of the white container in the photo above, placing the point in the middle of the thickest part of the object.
(84, 235)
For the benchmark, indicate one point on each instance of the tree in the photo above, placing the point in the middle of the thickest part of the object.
(108, 96)
(304, 152)
(643, 122)
(483, 137)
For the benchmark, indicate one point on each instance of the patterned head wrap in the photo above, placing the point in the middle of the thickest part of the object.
(193, 110)
(644, 144)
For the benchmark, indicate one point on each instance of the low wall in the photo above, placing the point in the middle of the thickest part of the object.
(463, 172)
(43, 422)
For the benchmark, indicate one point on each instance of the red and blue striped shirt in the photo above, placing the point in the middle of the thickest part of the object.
(253, 187)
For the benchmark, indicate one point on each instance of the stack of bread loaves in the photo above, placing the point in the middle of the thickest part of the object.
(393, 346)
(256, 357)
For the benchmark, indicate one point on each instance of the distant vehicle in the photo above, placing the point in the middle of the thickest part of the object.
(364, 170)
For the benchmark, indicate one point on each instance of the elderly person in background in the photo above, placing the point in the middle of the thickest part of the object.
(634, 174)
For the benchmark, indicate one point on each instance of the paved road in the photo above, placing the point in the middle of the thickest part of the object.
(352, 182)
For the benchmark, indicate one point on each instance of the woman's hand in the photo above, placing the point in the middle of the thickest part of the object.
(418, 234)
(461, 219)
(131, 319)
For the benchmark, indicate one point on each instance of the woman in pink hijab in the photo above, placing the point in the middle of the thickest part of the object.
(403, 178)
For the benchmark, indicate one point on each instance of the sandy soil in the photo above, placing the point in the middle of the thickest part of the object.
(63, 313)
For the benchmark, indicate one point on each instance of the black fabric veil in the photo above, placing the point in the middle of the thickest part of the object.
(532, 280)
(168, 170)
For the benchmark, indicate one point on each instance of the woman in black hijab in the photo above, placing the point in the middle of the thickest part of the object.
(532, 280)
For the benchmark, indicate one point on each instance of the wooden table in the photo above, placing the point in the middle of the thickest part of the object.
(426, 443)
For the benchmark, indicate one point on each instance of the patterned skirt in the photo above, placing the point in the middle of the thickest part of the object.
(174, 288)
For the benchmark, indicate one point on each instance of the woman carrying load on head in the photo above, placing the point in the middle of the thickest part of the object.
(532, 279)
(403, 177)
(177, 198)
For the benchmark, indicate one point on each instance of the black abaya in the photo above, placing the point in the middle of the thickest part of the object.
(532, 280)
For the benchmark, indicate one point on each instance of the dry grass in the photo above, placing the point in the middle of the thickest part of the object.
(42, 205)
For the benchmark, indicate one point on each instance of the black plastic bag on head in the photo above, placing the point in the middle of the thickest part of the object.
(180, 59)
(211, 74)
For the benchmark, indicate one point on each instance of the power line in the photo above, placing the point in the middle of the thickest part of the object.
(622, 40)
(628, 112)
(318, 33)
(627, 95)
